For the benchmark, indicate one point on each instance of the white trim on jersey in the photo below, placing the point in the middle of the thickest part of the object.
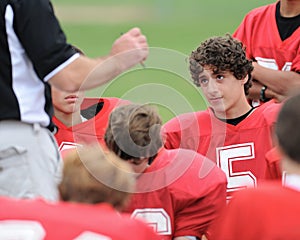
(61, 66)
(292, 181)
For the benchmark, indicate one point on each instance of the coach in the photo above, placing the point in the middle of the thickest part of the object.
(33, 54)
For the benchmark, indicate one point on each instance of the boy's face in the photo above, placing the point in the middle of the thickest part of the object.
(66, 102)
(222, 91)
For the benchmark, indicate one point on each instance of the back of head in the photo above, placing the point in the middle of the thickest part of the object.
(222, 53)
(133, 131)
(91, 175)
(286, 129)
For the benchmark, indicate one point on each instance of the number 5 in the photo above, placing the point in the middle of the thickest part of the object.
(229, 154)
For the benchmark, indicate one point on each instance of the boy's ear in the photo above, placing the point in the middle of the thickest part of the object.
(245, 79)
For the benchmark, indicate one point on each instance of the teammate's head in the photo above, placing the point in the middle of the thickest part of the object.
(286, 130)
(221, 54)
(92, 176)
(133, 133)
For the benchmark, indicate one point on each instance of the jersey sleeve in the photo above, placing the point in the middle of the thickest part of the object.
(41, 35)
(201, 205)
(249, 25)
(296, 62)
(171, 134)
(271, 112)
(182, 131)
(243, 33)
(273, 159)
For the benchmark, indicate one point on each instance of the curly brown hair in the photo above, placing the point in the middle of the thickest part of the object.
(221, 54)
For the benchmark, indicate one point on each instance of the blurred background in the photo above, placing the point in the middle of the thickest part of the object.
(173, 28)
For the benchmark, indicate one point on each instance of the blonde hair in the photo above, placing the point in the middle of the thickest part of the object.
(91, 175)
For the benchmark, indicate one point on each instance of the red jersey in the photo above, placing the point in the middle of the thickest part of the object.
(93, 129)
(268, 212)
(179, 194)
(238, 150)
(273, 158)
(259, 33)
(36, 220)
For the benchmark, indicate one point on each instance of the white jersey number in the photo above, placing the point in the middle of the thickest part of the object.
(229, 154)
(91, 236)
(33, 230)
(21, 229)
(157, 218)
(271, 64)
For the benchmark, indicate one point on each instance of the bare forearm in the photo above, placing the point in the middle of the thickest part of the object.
(255, 93)
(84, 73)
(280, 82)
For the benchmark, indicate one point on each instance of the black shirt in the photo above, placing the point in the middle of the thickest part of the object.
(286, 25)
(236, 121)
(32, 47)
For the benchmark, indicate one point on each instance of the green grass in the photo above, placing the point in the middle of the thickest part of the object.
(175, 28)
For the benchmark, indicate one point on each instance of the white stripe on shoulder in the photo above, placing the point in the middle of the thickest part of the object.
(61, 66)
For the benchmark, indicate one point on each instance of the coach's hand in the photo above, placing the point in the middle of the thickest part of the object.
(130, 49)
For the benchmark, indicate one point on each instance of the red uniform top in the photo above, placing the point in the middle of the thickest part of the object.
(37, 220)
(93, 129)
(260, 35)
(238, 150)
(179, 194)
(264, 213)
(273, 158)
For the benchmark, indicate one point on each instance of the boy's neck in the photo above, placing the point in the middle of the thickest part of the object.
(70, 119)
(289, 8)
(239, 109)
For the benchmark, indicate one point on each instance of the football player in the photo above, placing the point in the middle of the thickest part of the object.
(270, 211)
(179, 192)
(271, 35)
(232, 133)
(80, 120)
(95, 186)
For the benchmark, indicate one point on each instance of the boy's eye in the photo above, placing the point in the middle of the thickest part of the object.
(220, 77)
(203, 81)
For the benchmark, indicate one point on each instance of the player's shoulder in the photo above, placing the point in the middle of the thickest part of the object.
(269, 111)
(260, 195)
(51, 215)
(194, 167)
(187, 121)
(7, 202)
(261, 11)
(25, 208)
(273, 155)
(268, 197)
